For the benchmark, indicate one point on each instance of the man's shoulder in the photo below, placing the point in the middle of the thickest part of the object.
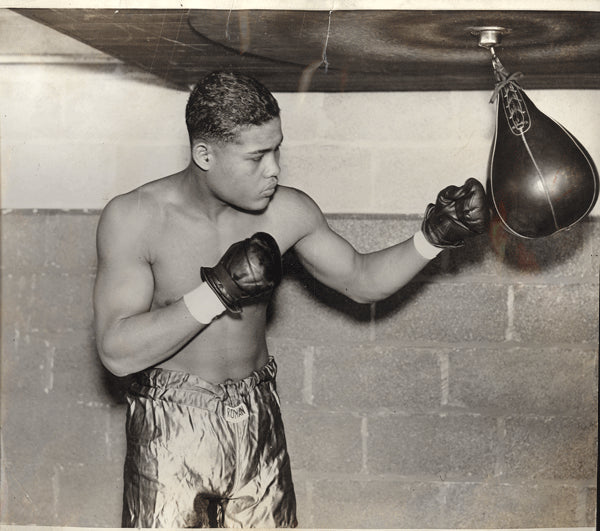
(293, 215)
(294, 201)
(136, 203)
(141, 201)
(137, 210)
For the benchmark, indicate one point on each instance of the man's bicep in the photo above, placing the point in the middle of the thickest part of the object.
(123, 288)
(329, 257)
(124, 282)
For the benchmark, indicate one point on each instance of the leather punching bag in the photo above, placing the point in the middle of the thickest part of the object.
(541, 179)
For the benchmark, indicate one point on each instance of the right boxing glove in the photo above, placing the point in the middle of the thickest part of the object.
(248, 269)
(459, 213)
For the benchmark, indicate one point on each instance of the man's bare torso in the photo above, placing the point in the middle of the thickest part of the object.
(177, 242)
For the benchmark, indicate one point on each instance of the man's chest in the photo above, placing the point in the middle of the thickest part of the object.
(178, 251)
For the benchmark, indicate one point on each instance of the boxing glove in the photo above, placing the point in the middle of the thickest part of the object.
(248, 269)
(459, 213)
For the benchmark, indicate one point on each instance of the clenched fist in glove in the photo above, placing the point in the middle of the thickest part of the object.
(248, 269)
(459, 213)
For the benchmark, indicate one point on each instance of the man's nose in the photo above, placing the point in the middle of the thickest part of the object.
(272, 168)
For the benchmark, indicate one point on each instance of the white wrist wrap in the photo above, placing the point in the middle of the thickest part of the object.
(424, 248)
(203, 303)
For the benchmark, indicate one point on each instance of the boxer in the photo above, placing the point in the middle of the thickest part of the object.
(186, 268)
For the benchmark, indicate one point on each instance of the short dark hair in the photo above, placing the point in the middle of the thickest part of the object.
(222, 103)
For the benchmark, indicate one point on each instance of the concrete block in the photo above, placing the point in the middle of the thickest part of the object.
(290, 359)
(27, 363)
(331, 163)
(116, 443)
(595, 244)
(30, 92)
(561, 314)
(320, 441)
(90, 495)
(443, 313)
(303, 506)
(496, 255)
(377, 504)
(474, 262)
(407, 178)
(439, 445)
(62, 174)
(89, 442)
(53, 302)
(64, 364)
(368, 233)
(69, 295)
(543, 381)
(402, 118)
(9, 340)
(28, 496)
(71, 238)
(353, 118)
(521, 506)
(566, 254)
(48, 240)
(23, 241)
(591, 506)
(307, 311)
(140, 163)
(35, 433)
(123, 105)
(300, 112)
(559, 448)
(79, 373)
(374, 377)
(18, 299)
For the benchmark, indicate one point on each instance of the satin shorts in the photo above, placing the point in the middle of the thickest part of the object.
(201, 454)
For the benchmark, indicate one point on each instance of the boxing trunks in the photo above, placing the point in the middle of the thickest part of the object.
(206, 455)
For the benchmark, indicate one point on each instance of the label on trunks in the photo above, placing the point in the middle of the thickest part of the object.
(236, 414)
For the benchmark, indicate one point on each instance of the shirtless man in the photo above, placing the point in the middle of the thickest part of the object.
(186, 266)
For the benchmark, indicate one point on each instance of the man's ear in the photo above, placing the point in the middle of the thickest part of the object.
(202, 155)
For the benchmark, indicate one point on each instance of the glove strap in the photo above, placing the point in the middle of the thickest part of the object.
(203, 303)
(424, 248)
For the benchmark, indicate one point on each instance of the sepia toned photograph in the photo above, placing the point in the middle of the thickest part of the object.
(299, 264)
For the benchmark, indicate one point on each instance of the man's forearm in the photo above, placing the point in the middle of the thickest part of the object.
(460, 213)
(386, 271)
(134, 343)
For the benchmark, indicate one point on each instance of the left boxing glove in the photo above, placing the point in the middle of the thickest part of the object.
(459, 213)
(248, 269)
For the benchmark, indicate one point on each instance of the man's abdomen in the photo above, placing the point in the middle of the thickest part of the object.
(230, 348)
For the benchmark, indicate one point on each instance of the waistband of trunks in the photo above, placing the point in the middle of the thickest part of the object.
(188, 388)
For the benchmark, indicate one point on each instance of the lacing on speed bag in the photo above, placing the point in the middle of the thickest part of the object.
(541, 179)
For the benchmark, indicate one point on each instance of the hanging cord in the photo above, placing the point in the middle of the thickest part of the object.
(503, 77)
(512, 78)
(324, 60)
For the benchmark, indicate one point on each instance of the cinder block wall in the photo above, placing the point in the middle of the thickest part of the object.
(467, 400)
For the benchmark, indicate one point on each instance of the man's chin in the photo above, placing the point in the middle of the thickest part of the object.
(256, 208)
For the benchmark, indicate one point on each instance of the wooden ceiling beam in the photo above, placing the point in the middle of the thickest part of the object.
(367, 50)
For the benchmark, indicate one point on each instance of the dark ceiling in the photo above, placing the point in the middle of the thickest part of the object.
(379, 50)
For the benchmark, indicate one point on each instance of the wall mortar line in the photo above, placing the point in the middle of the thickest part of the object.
(510, 312)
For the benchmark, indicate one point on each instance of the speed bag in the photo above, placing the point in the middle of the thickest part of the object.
(540, 178)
